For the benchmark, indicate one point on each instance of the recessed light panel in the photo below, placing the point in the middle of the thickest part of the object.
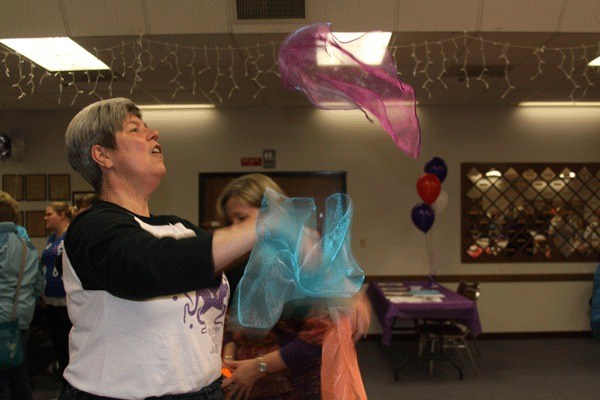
(56, 54)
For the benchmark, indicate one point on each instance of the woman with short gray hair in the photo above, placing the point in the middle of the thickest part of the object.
(145, 293)
(96, 125)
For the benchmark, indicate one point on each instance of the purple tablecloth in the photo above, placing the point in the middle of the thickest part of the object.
(452, 306)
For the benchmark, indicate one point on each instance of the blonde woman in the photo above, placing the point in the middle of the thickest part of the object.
(286, 363)
(58, 217)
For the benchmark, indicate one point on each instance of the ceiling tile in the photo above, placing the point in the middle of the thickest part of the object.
(521, 15)
(31, 18)
(437, 15)
(427, 30)
(188, 16)
(356, 15)
(581, 16)
(105, 18)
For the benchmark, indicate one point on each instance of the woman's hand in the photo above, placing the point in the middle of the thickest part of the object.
(242, 380)
(225, 362)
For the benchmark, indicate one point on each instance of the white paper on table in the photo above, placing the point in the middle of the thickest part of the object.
(432, 295)
(395, 292)
(411, 299)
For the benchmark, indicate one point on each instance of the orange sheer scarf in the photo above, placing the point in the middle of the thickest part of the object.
(340, 374)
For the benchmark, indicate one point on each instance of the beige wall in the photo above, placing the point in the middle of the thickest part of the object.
(380, 180)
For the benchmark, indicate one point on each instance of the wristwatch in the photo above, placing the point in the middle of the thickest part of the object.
(262, 365)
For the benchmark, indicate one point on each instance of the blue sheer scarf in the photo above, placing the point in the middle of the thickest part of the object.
(291, 262)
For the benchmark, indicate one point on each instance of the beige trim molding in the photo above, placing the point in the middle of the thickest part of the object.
(588, 277)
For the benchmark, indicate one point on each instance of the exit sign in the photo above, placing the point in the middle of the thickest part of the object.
(251, 161)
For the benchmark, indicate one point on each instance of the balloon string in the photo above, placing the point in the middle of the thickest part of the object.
(429, 241)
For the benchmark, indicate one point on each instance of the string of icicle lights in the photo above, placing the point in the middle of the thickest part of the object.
(218, 73)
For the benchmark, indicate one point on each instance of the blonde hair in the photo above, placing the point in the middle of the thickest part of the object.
(63, 208)
(85, 201)
(249, 188)
(9, 208)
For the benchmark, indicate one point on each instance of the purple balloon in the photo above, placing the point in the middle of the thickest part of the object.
(423, 216)
(438, 167)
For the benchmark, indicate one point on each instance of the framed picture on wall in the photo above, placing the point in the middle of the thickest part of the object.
(13, 185)
(35, 223)
(35, 187)
(59, 186)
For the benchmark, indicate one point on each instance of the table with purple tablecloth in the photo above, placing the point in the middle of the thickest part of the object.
(390, 302)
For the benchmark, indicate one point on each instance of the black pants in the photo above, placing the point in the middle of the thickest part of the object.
(59, 326)
(210, 392)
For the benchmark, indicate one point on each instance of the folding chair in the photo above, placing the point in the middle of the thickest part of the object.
(449, 334)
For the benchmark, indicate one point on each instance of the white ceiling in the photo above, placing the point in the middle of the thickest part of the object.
(199, 51)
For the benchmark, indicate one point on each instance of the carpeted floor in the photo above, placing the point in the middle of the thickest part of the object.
(548, 369)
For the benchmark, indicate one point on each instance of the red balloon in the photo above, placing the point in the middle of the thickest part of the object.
(429, 187)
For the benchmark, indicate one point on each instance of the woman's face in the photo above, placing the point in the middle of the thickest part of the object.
(237, 210)
(53, 219)
(138, 155)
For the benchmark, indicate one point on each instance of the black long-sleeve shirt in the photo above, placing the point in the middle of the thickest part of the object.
(111, 251)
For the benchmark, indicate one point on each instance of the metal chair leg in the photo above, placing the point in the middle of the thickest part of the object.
(434, 340)
(421, 345)
(476, 346)
(466, 346)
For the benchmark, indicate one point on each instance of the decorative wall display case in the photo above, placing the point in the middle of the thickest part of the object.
(530, 212)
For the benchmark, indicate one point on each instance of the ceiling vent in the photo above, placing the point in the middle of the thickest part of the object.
(270, 9)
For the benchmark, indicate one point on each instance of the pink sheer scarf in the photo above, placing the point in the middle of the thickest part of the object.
(375, 89)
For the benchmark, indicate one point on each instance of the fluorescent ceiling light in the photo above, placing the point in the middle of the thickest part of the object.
(595, 62)
(493, 173)
(56, 54)
(368, 47)
(174, 106)
(559, 104)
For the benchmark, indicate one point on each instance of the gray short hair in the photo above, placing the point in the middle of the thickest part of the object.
(96, 124)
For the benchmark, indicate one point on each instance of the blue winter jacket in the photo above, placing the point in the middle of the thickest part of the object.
(595, 317)
(33, 282)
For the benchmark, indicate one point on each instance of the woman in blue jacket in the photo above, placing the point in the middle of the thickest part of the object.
(14, 383)
(58, 216)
